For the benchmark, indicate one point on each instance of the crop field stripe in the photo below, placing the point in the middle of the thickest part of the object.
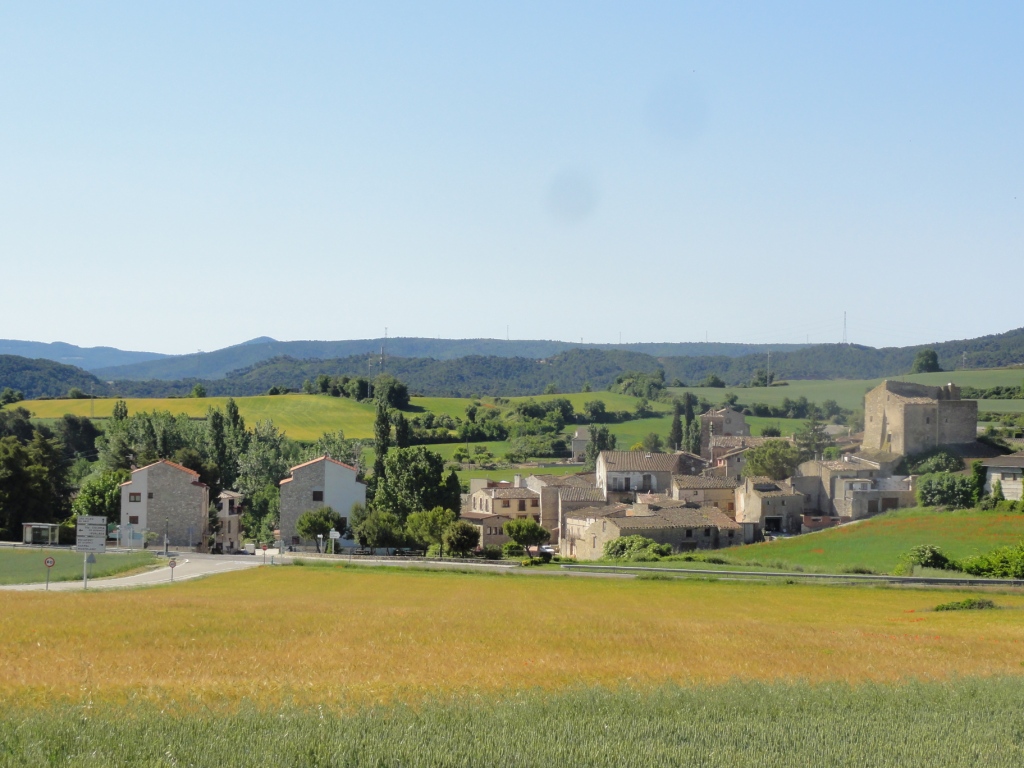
(403, 635)
(972, 722)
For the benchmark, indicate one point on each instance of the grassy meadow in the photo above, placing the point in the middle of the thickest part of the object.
(878, 542)
(966, 723)
(24, 566)
(395, 636)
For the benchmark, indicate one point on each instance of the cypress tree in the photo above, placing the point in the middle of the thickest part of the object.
(381, 438)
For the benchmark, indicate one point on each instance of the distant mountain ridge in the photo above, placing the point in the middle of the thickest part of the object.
(87, 358)
(219, 363)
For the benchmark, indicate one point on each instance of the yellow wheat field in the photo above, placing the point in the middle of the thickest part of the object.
(340, 636)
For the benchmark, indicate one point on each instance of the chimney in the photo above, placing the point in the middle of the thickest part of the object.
(639, 510)
(517, 481)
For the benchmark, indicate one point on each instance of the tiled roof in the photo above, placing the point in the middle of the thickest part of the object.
(477, 516)
(703, 482)
(582, 480)
(740, 441)
(574, 493)
(509, 493)
(588, 513)
(639, 461)
(680, 517)
(170, 464)
(322, 458)
(1013, 460)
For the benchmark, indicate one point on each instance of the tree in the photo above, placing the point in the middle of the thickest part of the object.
(461, 538)
(317, 522)
(9, 396)
(212, 524)
(338, 447)
(652, 442)
(381, 439)
(526, 532)
(101, 496)
(427, 527)
(712, 380)
(379, 530)
(261, 514)
(391, 392)
(198, 391)
(926, 361)
(997, 491)
(947, 490)
(594, 411)
(264, 460)
(413, 480)
(675, 432)
(120, 411)
(812, 439)
(777, 459)
(78, 436)
(771, 430)
(403, 432)
(601, 439)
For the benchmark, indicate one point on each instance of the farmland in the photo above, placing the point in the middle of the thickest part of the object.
(22, 566)
(963, 723)
(402, 636)
(878, 542)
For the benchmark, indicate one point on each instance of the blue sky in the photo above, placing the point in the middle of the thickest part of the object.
(182, 176)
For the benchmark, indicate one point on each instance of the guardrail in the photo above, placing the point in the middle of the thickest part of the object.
(385, 559)
(854, 577)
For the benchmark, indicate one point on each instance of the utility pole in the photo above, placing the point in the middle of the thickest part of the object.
(769, 376)
(964, 366)
(844, 327)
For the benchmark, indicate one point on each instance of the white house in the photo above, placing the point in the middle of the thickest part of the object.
(164, 497)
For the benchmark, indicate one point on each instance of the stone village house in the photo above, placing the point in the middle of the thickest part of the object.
(906, 419)
(322, 482)
(164, 497)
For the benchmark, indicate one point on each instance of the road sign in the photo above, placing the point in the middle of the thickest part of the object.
(90, 558)
(264, 547)
(49, 562)
(335, 534)
(172, 564)
(91, 534)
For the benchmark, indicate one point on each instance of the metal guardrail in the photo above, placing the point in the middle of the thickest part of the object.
(860, 577)
(385, 559)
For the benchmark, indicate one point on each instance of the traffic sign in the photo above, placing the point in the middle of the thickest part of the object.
(49, 562)
(264, 547)
(91, 534)
(335, 534)
(172, 564)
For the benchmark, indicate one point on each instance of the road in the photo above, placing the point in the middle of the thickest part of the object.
(190, 566)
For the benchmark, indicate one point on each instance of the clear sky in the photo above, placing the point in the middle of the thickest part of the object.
(178, 176)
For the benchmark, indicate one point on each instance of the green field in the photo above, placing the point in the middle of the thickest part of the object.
(850, 393)
(967, 723)
(878, 542)
(24, 566)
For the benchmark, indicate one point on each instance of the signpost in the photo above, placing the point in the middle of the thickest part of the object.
(172, 564)
(90, 539)
(49, 563)
(264, 554)
(334, 537)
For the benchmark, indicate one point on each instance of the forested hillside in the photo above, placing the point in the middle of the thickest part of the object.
(45, 378)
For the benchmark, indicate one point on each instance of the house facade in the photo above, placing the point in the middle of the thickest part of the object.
(682, 527)
(229, 514)
(579, 442)
(764, 506)
(707, 490)
(322, 482)
(721, 422)
(852, 488)
(906, 419)
(1009, 471)
(623, 473)
(164, 498)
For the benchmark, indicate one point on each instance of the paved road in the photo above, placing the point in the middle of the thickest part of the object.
(190, 566)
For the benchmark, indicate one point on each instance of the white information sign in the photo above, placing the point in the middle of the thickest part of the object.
(335, 534)
(92, 535)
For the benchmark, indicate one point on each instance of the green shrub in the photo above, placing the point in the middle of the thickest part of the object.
(939, 460)
(944, 489)
(636, 548)
(491, 552)
(1002, 563)
(511, 550)
(925, 556)
(970, 604)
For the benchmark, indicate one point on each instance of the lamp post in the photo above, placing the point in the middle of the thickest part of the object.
(167, 524)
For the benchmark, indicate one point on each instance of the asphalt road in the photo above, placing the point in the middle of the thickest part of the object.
(189, 566)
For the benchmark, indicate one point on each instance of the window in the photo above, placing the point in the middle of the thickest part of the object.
(689, 533)
(229, 526)
(604, 526)
(536, 519)
(134, 497)
(133, 519)
(318, 495)
(149, 495)
(505, 503)
(593, 543)
(522, 505)
(730, 534)
(534, 502)
(707, 532)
